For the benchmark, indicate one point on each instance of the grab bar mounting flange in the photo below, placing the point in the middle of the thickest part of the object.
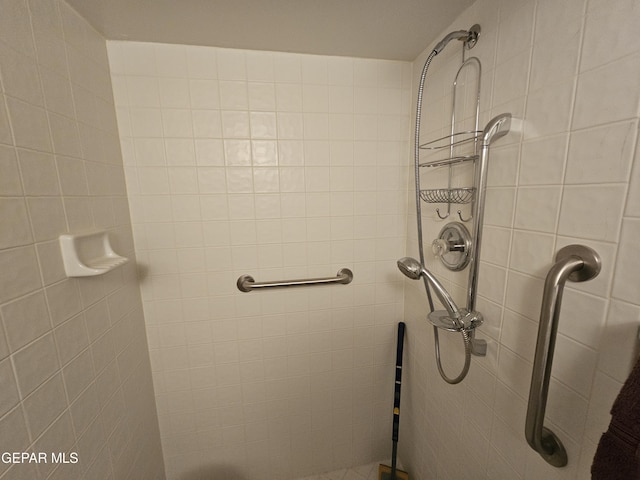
(591, 263)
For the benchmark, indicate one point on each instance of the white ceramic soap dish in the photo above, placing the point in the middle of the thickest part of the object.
(89, 254)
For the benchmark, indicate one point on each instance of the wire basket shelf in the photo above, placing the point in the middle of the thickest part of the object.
(454, 140)
(448, 195)
(449, 161)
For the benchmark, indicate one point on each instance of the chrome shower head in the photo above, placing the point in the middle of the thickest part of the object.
(413, 269)
(410, 267)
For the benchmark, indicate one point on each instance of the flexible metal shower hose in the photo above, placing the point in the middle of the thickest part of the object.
(465, 334)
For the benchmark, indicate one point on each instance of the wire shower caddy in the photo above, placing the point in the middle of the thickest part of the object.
(459, 147)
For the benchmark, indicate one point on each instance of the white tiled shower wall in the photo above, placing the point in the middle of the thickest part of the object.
(569, 70)
(280, 166)
(74, 372)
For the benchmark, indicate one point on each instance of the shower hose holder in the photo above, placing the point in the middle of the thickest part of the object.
(468, 321)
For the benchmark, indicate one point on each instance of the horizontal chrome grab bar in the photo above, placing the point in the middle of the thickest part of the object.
(246, 283)
(578, 264)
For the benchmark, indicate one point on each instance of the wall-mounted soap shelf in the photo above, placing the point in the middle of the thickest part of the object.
(89, 254)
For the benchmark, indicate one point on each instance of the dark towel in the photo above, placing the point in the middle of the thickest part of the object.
(618, 453)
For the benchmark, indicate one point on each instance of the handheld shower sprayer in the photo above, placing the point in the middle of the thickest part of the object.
(411, 268)
(454, 319)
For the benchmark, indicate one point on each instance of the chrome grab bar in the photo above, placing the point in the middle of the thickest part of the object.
(577, 263)
(246, 283)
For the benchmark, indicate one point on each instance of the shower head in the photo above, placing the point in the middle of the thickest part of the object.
(453, 319)
(469, 37)
(410, 267)
(414, 270)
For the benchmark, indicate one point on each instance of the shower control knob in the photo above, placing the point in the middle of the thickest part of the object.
(440, 246)
(453, 246)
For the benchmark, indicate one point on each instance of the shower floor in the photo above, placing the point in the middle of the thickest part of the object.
(363, 472)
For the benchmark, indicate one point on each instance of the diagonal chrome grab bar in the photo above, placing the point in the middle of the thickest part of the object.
(246, 283)
(577, 263)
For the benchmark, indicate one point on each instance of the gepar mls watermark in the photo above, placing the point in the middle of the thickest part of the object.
(39, 457)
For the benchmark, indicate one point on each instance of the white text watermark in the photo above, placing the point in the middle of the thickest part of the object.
(39, 457)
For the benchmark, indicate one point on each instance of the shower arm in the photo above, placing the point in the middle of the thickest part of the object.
(467, 36)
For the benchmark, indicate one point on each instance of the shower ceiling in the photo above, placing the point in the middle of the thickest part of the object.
(385, 29)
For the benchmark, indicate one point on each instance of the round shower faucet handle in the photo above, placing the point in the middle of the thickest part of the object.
(440, 246)
(453, 246)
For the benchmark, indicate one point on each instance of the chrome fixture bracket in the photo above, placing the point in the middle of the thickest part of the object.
(474, 33)
(453, 246)
(591, 263)
(478, 346)
(468, 321)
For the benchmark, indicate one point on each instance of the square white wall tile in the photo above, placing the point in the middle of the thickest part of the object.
(549, 110)
(625, 284)
(601, 19)
(601, 154)
(592, 212)
(29, 124)
(531, 253)
(20, 76)
(607, 93)
(543, 160)
(201, 62)
(40, 352)
(619, 341)
(10, 396)
(538, 208)
(19, 273)
(547, 69)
